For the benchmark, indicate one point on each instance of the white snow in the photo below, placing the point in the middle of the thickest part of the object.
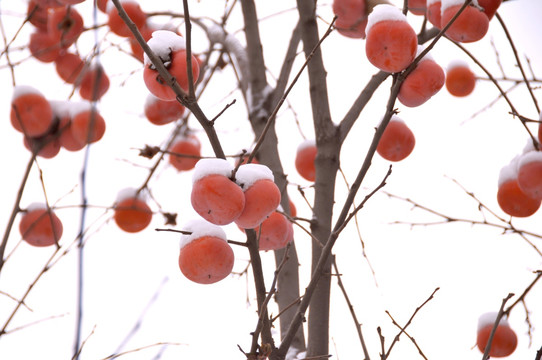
(306, 143)
(383, 12)
(188, 138)
(445, 4)
(80, 107)
(129, 192)
(457, 63)
(162, 43)
(509, 171)
(199, 228)
(430, 2)
(529, 157)
(489, 319)
(20, 90)
(36, 206)
(248, 174)
(110, 5)
(206, 167)
(61, 108)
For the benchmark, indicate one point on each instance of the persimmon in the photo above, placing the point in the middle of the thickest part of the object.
(131, 212)
(351, 17)
(40, 226)
(185, 152)
(102, 5)
(304, 159)
(47, 146)
(397, 141)
(530, 174)
(170, 47)
(135, 13)
(205, 256)
(511, 199)
(490, 7)
(69, 66)
(262, 195)
(31, 112)
(94, 83)
(422, 83)
(433, 13)
(65, 24)
(275, 232)
(417, 7)
(215, 197)
(161, 112)
(460, 80)
(43, 47)
(61, 111)
(87, 125)
(37, 15)
(470, 26)
(504, 341)
(391, 42)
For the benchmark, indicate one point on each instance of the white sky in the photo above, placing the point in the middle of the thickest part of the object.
(474, 266)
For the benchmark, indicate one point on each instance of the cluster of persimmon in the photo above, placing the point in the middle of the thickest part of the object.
(49, 125)
(519, 191)
(57, 26)
(250, 199)
(470, 25)
(504, 341)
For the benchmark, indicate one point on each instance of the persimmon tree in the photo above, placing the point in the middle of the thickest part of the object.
(268, 165)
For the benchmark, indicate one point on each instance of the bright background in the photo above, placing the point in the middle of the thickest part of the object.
(131, 279)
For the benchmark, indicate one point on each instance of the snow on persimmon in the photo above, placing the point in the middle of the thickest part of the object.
(131, 212)
(215, 197)
(205, 256)
(262, 196)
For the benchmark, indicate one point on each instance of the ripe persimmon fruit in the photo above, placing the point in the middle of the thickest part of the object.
(215, 197)
(504, 341)
(460, 80)
(185, 153)
(205, 256)
(391, 42)
(304, 159)
(132, 214)
(262, 195)
(31, 112)
(40, 226)
(397, 141)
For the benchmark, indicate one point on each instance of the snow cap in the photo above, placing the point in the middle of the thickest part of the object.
(457, 63)
(162, 43)
(248, 174)
(430, 2)
(79, 107)
(129, 193)
(489, 319)
(306, 143)
(110, 5)
(509, 172)
(383, 12)
(529, 157)
(36, 206)
(445, 4)
(61, 108)
(199, 228)
(214, 166)
(20, 90)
